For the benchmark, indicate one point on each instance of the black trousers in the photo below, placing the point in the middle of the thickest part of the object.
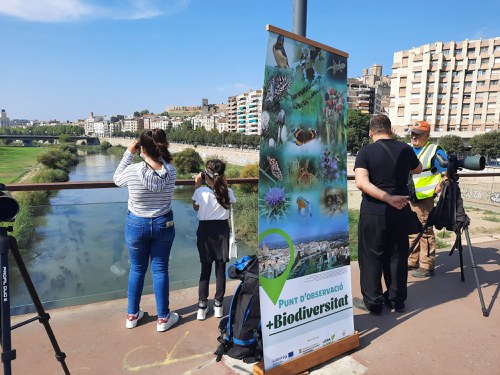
(383, 250)
(220, 280)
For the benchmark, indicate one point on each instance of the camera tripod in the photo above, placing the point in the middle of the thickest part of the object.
(449, 213)
(8, 354)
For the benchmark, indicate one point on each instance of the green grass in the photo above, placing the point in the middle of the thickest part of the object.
(16, 161)
(495, 218)
(441, 244)
(353, 233)
(492, 213)
(443, 234)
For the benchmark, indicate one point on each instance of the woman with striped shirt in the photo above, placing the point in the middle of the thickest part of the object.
(149, 226)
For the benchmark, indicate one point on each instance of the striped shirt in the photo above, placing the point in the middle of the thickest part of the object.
(149, 194)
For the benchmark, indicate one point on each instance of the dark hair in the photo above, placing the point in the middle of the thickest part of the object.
(214, 169)
(381, 124)
(155, 144)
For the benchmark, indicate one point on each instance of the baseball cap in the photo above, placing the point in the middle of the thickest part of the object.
(420, 127)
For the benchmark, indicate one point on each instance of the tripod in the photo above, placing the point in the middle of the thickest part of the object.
(8, 354)
(449, 213)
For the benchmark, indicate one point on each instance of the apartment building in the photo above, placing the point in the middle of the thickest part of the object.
(370, 92)
(133, 124)
(455, 86)
(244, 112)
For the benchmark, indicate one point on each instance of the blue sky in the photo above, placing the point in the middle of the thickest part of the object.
(62, 59)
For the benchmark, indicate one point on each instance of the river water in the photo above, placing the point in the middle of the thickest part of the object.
(79, 255)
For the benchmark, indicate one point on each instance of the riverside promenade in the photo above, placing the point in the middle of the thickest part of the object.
(442, 332)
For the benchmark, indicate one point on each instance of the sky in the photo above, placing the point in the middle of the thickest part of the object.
(62, 59)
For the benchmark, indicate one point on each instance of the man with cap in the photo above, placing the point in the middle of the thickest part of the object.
(425, 187)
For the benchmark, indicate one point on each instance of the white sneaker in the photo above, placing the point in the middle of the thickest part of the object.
(202, 314)
(132, 320)
(163, 324)
(218, 310)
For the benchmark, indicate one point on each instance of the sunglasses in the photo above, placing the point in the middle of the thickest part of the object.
(416, 135)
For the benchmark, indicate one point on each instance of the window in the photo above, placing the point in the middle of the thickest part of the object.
(477, 117)
(485, 61)
(472, 61)
(466, 106)
(480, 83)
(490, 118)
(401, 111)
(468, 74)
(497, 60)
(492, 105)
(453, 106)
(460, 62)
(484, 49)
(458, 51)
(480, 95)
(440, 106)
(418, 74)
(417, 85)
(497, 48)
(415, 96)
(441, 96)
(443, 85)
(429, 95)
(434, 62)
(438, 117)
(454, 96)
(446, 52)
(428, 107)
(478, 105)
(471, 50)
(442, 75)
(465, 117)
(467, 84)
(467, 96)
(494, 82)
(455, 73)
(481, 72)
(414, 116)
(495, 71)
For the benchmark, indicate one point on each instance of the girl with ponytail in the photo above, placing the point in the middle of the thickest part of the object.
(149, 226)
(212, 199)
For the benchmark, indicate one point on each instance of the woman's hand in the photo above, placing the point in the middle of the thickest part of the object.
(133, 146)
(397, 201)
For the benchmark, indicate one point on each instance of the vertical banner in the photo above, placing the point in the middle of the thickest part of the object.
(304, 263)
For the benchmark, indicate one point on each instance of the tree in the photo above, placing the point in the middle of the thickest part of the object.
(64, 138)
(357, 129)
(487, 144)
(187, 161)
(452, 144)
(250, 170)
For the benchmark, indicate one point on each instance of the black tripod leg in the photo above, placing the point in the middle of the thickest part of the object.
(474, 266)
(43, 317)
(461, 256)
(7, 353)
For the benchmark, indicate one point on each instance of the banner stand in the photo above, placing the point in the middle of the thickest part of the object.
(315, 358)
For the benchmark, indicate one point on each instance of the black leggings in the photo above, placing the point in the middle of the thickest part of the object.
(220, 280)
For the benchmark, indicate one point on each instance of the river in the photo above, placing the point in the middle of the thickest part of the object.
(79, 255)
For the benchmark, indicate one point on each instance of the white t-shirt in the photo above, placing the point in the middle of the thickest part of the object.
(210, 209)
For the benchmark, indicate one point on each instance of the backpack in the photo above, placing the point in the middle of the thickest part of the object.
(240, 336)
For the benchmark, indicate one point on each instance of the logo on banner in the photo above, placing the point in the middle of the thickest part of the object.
(274, 286)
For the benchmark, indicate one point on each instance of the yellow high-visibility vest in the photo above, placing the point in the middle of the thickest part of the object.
(426, 181)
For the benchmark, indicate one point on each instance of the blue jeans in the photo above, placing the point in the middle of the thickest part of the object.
(149, 238)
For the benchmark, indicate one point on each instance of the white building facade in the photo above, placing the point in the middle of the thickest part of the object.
(454, 86)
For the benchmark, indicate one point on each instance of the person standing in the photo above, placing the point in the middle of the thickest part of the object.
(149, 226)
(212, 202)
(425, 187)
(381, 172)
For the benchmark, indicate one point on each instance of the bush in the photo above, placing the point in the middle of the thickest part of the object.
(248, 171)
(105, 145)
(353, 233)
(187, 161)
(246, 218)
(51, 175)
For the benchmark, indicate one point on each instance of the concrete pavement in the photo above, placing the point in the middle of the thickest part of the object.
(442, 332)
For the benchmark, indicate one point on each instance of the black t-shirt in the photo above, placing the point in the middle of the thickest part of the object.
(382, 172)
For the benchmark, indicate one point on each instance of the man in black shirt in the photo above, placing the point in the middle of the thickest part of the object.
(381, 172)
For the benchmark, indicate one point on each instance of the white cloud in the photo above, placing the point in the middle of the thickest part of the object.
(75, 10)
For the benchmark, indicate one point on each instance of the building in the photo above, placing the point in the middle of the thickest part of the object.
(133, 124)
(96, 126)
(454, 86)
(369, 93)
(244, 112)
(4, 120)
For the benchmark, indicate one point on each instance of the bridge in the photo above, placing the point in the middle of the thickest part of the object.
(28, 139)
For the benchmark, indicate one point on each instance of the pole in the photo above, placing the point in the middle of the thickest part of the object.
(299, 17)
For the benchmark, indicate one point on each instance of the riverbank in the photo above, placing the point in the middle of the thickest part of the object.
(231, 155)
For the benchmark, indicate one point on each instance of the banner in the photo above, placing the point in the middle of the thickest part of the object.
(304, 263)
